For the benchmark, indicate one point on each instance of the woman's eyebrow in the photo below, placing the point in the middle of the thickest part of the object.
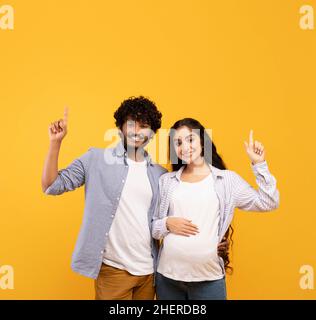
(189, 135)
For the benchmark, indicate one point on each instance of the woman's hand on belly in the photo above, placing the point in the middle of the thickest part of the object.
(181, 226)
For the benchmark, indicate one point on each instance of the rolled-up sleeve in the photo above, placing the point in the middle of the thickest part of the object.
(159, 227)
(246, 197)
(71, 177)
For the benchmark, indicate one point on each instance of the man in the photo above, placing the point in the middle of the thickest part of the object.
(114, 246)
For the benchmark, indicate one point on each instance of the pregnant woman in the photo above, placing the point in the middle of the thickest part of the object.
(197, 202)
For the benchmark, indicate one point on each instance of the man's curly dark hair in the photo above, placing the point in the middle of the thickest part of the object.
(139, 109)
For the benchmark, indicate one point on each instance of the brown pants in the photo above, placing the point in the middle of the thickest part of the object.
(117, 284)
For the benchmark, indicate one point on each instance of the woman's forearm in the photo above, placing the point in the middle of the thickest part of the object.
(159, 228)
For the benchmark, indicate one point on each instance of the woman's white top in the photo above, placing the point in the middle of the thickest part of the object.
(193, 258)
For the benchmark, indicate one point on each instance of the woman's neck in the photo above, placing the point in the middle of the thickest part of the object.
(199, 166)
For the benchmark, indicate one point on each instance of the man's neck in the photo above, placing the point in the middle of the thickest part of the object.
(135, 154)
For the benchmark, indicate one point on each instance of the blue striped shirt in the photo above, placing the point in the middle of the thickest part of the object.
(103, 172)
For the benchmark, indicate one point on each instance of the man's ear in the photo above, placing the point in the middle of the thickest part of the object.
(152, 134)
(120, 133)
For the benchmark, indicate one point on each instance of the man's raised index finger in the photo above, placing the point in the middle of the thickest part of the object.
(66, 114)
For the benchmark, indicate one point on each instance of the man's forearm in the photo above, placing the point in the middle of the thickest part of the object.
(50, 171)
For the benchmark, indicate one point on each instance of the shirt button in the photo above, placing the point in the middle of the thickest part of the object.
(118, 198)
(123, 180)
(106, 234)
(102, 251)
(112, 216)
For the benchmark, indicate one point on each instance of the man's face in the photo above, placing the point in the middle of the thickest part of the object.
(136, 134)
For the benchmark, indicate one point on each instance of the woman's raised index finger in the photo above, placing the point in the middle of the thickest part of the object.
(251, 137)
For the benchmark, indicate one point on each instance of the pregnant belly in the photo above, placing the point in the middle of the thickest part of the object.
(194, 249)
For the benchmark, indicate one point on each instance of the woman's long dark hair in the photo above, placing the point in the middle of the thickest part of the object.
(210, 155)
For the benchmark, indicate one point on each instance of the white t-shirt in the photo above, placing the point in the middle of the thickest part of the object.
(129, 242)
(193, 258)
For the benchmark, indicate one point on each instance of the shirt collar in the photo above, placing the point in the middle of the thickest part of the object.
(215, 171)
(120, 151)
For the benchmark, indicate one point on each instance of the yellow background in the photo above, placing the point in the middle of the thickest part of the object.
(234, 65)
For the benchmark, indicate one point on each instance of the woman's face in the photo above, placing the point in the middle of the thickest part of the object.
(187, 144)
